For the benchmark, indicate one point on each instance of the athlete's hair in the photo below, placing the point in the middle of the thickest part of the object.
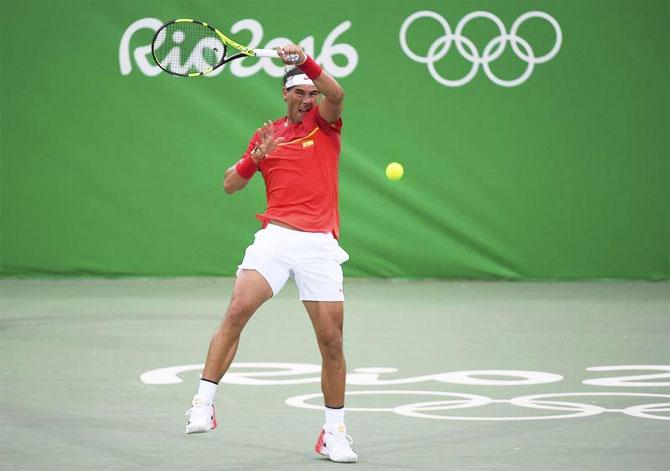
(291, 73)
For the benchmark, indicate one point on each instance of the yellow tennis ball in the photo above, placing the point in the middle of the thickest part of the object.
(394, 171)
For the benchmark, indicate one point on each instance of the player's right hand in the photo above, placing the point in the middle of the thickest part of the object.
(267, 142)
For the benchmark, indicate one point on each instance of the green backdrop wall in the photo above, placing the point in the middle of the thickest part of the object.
(548, 162)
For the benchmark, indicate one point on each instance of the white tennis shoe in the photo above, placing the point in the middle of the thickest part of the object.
(336, 445)
(201, 417)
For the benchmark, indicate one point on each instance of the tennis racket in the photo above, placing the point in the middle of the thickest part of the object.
(190, 48)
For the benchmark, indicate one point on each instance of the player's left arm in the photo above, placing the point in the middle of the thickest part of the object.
(330, 107)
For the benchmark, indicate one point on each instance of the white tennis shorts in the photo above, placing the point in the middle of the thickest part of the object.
(313, 259)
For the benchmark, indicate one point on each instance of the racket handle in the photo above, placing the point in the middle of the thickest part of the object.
(265, 53)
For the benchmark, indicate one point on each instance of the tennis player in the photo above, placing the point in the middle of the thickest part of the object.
(297, 156)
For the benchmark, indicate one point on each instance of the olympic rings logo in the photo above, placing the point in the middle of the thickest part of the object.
(492, 51)
(451, 401)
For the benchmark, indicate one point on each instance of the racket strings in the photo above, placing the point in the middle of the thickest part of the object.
(188, 48)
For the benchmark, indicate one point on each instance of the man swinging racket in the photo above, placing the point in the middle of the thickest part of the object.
(297, 156)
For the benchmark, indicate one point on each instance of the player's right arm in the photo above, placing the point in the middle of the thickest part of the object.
(263, 142)
(233, 182)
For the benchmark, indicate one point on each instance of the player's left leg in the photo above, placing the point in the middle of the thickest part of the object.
(327, 319)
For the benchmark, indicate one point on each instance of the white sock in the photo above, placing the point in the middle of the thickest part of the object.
(207, 390)
(334, 417)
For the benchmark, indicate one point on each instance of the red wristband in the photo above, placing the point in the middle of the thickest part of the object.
(311, 68)
(246, 167)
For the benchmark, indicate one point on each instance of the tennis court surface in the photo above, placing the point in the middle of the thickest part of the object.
(97, 374)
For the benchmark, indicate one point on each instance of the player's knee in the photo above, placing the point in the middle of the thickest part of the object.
(331, 346)
(238, 314)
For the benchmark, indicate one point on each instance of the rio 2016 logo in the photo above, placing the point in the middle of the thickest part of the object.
(241, 68)
(449, 405)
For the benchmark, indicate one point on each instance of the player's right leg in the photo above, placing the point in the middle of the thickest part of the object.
(250, 291)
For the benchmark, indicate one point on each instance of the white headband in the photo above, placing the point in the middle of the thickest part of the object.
(300, 79)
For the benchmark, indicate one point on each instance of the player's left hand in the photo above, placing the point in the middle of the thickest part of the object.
(292, 54)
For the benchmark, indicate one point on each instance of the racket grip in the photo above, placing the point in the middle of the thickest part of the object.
(265, 53)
